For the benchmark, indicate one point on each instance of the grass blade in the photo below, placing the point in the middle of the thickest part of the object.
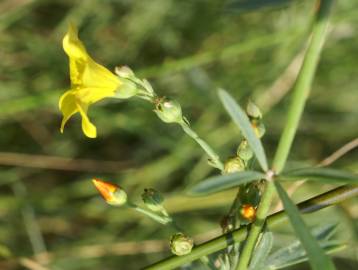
(222, 182)
(242, 121)
(321, 174)
(317, 258)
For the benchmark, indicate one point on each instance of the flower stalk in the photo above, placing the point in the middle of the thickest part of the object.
(214, 159)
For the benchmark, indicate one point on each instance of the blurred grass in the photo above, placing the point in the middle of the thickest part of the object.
(187, 49)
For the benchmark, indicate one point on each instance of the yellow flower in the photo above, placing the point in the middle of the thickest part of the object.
(90, 82)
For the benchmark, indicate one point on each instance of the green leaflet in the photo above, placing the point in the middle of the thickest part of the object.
(242, 121)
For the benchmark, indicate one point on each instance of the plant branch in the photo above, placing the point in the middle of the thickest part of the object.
(303, 85)
(300, 94)
(314, 204)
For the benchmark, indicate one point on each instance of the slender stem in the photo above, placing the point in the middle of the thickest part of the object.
(317, 203)
(214, 158)
(161, 219)
(256, 226)
(303, 84)
(300, 95)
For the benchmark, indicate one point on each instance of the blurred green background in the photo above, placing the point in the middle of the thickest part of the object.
(48, 205)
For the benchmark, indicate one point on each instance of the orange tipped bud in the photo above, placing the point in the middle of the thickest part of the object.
(248, 211)
(111, 193)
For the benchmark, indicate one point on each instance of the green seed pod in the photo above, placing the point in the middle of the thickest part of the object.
(169, 111)
(253, 111)
(244, 151)
(234, 165)
(153, 199)
(180, 244)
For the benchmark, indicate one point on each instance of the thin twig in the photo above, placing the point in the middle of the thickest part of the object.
(60, 163)
(325, 162)
(31, 264)
(282, 85)
(339, 153)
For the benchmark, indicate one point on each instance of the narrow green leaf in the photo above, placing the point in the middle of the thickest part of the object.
(300, 256)
(325, 232)
(294, 253)
(320, 174)
(222, 182)
(262, 251)
(242, 121)
(317, 258)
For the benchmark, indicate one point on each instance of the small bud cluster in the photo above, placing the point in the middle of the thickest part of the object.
(248, 198)
(169, 111)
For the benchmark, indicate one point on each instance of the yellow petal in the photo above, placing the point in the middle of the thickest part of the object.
(87, 127)
(92, 95)
(77, 67)
(73, 47)
(97, 76)
(67, 106)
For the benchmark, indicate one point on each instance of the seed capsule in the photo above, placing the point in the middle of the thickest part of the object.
(180, 244)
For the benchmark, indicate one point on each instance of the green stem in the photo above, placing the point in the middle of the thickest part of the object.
(300, 94)
(214, 158)
(256, 226)
(303, 85)
(317, 203)
(158, 218)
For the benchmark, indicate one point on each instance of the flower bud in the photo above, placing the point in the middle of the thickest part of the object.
(124, 72)
(169, 111)
(244, 151)
(234, 165)
(111, 193)
(248, 212)
(259, 128)
(180, 244)
(253, 111)
(153, 199)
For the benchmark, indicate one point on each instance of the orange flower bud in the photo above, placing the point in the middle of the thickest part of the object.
(248, 212)
(111, 193)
